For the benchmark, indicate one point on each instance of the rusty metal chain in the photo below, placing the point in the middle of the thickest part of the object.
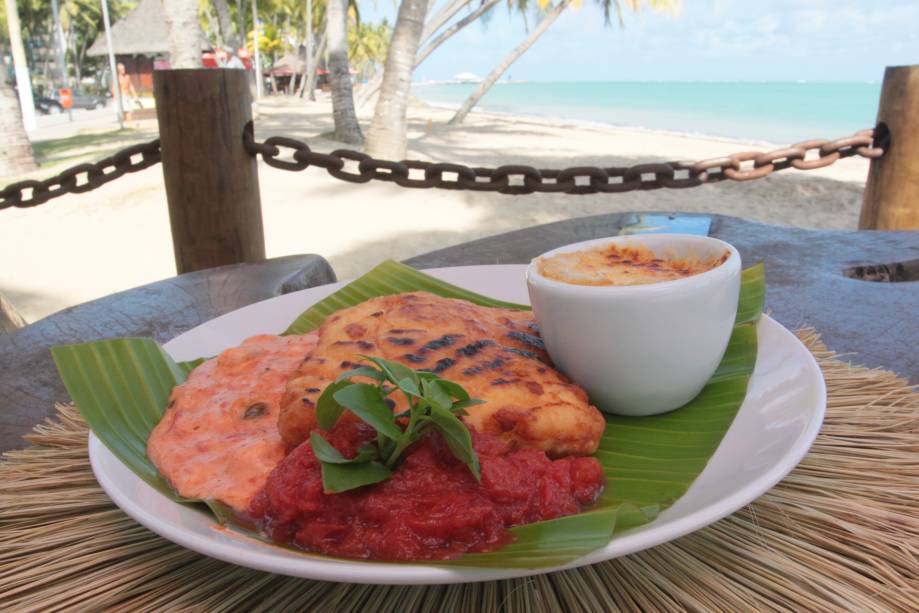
(356, 167)
(80, 178)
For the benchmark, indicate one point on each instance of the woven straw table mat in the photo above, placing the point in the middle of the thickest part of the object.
(841, 532)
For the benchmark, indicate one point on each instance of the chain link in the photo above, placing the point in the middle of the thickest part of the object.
(356, 167)
(520, 179)
(80, 178)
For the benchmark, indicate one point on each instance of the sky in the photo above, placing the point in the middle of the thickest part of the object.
(708, 40)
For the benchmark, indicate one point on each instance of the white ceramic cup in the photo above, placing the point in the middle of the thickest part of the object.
(641, 349)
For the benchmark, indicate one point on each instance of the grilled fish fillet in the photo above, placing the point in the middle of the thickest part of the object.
(495, 354)
(218, 439)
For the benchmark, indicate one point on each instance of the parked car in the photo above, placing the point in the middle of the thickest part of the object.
(48, 106)
(83, 100)
(80, 100)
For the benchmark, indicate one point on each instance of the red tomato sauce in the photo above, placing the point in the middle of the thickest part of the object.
(431, 508)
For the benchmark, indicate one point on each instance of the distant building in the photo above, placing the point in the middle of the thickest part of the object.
(287, 71)
(141, 42)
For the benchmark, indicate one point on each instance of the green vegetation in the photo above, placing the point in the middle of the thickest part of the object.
(432, 403)
(81, 22)
(94, 145)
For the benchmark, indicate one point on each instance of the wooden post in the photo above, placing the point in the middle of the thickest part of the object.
(891, 200)
(211, 182)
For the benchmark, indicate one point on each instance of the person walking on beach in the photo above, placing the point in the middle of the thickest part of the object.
(127, 92)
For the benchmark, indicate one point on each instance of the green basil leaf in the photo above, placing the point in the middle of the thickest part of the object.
(327, 409)
(395, 371)
(454, 389)
(457, 438)
(343, 477)
(461, 406)
(325, 452)
(409, 387)
(366, 402)
(363, 371)
(435, 394)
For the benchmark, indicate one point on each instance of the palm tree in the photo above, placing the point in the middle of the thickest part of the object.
(16, 155)
(548, 19)
(229, 35)
(184, 33)
(270, 43)
(431, 39)
(433, 42)
(387, 135)
(347, 129)
(367, 46)
(309, 84)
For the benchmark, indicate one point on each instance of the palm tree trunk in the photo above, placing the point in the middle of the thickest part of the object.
(512, 57)
(72, 44)
(430, 44)
(441, 17)
(225, 21)
(23, 110)
(82, 56)
(456, 27)
(184, 33)
(241, 13)
(387, 136)
(347, 129)
(16, 155)
(311, 78)
(308, 83)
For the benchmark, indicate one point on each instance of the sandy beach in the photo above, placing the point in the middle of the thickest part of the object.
(84, 246)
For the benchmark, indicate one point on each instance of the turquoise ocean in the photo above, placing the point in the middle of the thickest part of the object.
(774, 112)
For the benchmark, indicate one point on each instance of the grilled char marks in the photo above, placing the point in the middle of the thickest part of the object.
(395, 340)
(523, 353)
(444, 341)
(495, 354)
(485, 367)
(527, 339)
(441, 365)
(473, 348)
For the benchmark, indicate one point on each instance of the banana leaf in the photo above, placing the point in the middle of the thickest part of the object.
(121, 388)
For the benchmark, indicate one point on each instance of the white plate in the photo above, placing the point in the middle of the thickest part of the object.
(773, 430)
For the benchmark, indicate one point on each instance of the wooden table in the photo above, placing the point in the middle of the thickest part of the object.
(876, 321)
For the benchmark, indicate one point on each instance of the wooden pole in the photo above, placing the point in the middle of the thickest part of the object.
(891, 200)
(211, 182)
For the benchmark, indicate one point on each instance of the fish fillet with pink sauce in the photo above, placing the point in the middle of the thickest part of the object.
(218, 439)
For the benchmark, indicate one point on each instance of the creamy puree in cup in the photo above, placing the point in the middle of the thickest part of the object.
(614, 264)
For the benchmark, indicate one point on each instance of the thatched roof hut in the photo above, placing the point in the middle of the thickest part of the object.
(138, 38)
(291, 63)
(143, 31)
